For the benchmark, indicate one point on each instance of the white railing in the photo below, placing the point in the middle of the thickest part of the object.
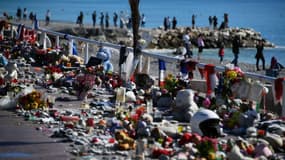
(44, 32)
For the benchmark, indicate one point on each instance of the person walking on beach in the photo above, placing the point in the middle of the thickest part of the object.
(107, 20)
(215, 22)
(201, 44)
(235, 50)
(94, 16)
(221, 53)
(193, 21)
(115, 19)
(174, 23)
(48, 15)
(259, 55)
(25, 13)
(187, 42)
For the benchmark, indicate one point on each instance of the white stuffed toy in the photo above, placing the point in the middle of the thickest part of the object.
(11, 71)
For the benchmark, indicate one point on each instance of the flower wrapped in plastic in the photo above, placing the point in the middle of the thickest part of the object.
(171, 83)
(84, 83)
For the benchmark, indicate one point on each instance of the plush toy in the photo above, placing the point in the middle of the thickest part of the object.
(12, 71)
(105, 55)
(124, 141)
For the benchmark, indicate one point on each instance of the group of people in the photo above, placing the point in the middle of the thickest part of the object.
(120, 19)
(32, 16)
(167, 23)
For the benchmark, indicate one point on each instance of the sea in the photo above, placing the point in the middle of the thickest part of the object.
(264, 16)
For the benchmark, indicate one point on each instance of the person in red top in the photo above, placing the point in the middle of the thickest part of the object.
(221, 53)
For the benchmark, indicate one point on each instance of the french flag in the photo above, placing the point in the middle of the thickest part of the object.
(162, 69)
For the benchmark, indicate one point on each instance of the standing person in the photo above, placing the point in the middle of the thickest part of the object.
(19, 13)
(187, 43)
(221, 53)
(226, 20)
(25, 13)
(102, 20)
(94, 16)
(259, 55)
(210, 21)
(31, 16)
(115, 19)
(193, 21)
(201, 44)
(215, 22)
(143, 20)
(107, 20)
(81, 16)
(48, 15)
(165, 23)
(235, 50)
(121, 19)
(168, 22)
(174, 23)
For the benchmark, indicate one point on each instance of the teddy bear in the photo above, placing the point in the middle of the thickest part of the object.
(124, 141)
(104, 54)
(11, 71)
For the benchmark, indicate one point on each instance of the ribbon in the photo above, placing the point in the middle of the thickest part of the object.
(278, 88)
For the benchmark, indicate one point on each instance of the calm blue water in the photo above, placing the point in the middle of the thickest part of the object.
(265, 16)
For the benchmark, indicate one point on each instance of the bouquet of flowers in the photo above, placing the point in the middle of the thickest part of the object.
(32, 100)
(207, 147)
(171, 83)
(84, 83)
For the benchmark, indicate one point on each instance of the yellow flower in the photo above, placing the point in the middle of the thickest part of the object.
(34, 105)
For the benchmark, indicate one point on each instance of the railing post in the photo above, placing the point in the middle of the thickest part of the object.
(86, 53)
(283, 99)
(70, 47)
(44, 40)
(57, 42)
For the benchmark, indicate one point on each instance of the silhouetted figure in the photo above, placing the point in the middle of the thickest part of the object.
(31, 16)
(19, 13)
(235, 50)
(48, 15)
(259, 55)
(174, 23)
(107, 20)
(143, 18)
(193, 21)
(226, 20)
(102, 20)
(121, 19)
(25, 13)
(94, 17)
(80, 19)
(166, 23)
(210, 21)
(115, 19)
(215, 22)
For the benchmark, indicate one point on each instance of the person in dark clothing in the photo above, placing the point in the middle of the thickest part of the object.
(215, 22)
(102, 20)
(165, 23)
(193, 21)
(210, 21)
(94, 16)
(174, 23)
(107, 20)
(25, 14)
(31, 16)
(235, 50)
(115, 19)
(19, 14)
(259, 55)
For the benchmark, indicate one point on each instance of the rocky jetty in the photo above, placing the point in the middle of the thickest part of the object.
(172, 38)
